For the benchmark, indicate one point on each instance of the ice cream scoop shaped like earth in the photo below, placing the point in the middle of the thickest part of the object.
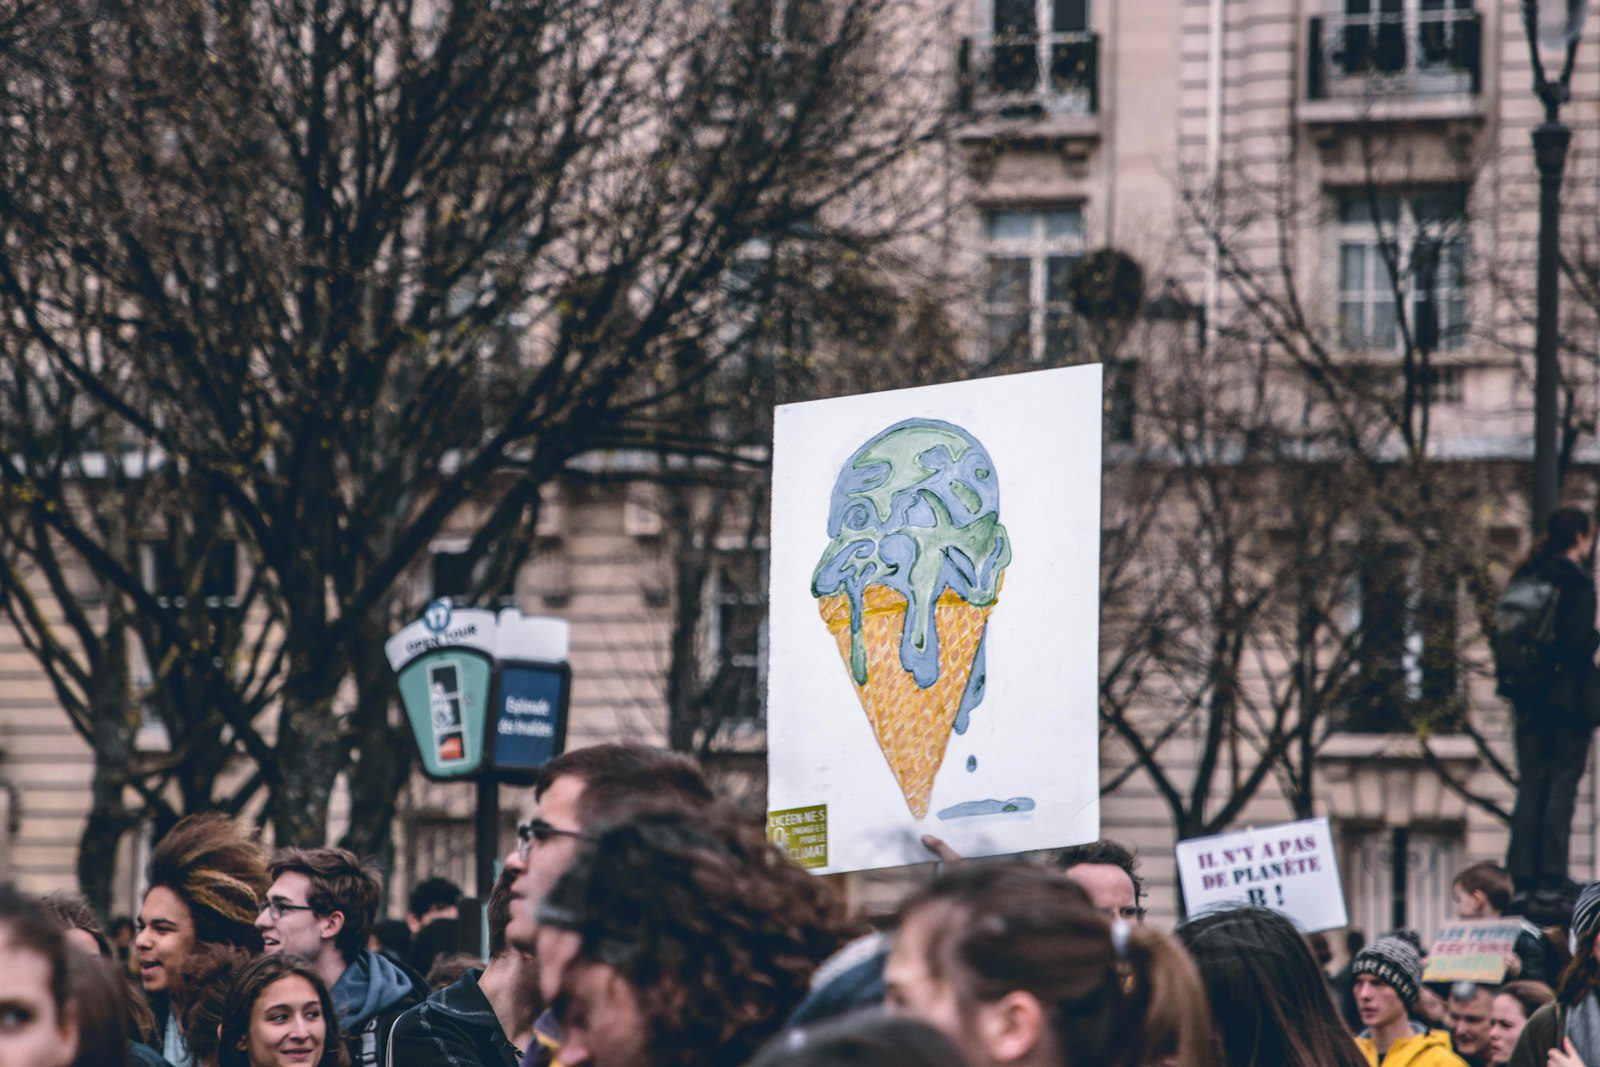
(916, 509)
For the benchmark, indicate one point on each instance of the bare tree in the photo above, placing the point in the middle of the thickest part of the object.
(361, 263)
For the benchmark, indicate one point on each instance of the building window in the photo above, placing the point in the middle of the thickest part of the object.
(1039, 57)
(1405, 628)
(1399, 877)
(1402, 250)
(173, 584)
(736, 662)
(1397, 46)
(1029, 258)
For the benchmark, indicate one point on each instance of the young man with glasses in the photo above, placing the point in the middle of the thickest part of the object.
(321, 906)
(579, 792)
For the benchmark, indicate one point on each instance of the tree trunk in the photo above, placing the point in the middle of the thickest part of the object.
(381, 764)
(309, 758)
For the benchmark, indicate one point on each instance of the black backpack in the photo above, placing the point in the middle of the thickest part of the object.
(1524, 636)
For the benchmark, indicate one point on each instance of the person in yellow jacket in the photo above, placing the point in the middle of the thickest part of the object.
(1386, 978)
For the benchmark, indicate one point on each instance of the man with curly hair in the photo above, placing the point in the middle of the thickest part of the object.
(679, 938)
(205, 876)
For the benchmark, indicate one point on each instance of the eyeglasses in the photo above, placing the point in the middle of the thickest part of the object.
(277, 908)
(537, 830)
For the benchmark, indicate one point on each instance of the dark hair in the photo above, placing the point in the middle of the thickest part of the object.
(449, 966)
(432, 893)
(339, 883)
(862, 1041)
(72, 912)
(1561, 531)
(247, 988)
(26, 926)
(198, 993)
(1004, 927)
(118, 925)
(717, 932)
(1531, 995)
(1581, 974)
(104, 1011)
(499, 911)
(216, 869)
(1487, 878)
(618, 775)
(439, 938)
(1269, 999)
(1105, 852)
(1321, 951)
(394, 937)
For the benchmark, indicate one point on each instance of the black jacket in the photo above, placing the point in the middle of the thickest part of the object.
(454, 1027)
(1574, 686)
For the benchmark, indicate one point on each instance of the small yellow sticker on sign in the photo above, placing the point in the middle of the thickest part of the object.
(802, 833)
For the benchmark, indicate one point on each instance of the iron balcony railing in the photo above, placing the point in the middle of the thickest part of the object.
(1395, 53)
(1031, 74)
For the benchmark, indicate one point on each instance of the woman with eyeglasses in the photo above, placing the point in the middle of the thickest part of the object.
(1016, 966)
(206, 877)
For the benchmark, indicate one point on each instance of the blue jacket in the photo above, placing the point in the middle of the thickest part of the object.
(371, 994)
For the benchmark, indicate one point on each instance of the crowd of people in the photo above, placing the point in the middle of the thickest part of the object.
(640, 921)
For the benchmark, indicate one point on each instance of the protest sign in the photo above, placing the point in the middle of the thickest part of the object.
(1472, 951)
(934, 620)
(1290, 869)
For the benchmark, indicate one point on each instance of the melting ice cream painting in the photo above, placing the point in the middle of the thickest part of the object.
(950, 686)
(907, 584)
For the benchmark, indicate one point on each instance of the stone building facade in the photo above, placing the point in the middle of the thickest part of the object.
(1110, 123)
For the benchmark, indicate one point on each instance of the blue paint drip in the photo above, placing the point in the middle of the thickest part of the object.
(973, 696)
(972, 763)
(987, 807)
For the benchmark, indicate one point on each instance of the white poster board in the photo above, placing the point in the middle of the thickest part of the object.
(974, 506)
(1291, 869)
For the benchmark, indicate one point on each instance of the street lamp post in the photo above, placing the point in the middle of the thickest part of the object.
(1556, 32)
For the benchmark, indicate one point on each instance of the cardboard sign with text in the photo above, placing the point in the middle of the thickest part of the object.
(1290, 869)
(1472, 951)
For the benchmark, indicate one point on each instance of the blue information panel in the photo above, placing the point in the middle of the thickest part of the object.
(531, 728)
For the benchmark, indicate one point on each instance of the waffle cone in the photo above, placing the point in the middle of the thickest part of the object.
(912, 724)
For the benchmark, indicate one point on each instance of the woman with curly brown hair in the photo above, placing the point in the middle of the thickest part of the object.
(206, 878)
(679, 939)
(1013, 963)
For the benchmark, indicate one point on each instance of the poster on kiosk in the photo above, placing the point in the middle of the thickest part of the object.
(483, 693)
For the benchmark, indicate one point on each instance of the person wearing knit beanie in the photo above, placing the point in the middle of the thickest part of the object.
(206, 876)
(1387, 978)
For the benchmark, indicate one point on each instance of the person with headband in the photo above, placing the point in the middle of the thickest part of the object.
(1567, 1032)
(206, 876)
(1387, 979)
(1014, 964)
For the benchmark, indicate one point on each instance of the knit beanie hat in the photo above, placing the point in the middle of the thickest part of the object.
(1393, 961)
(1586, 911)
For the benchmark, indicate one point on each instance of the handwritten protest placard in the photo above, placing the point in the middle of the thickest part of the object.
(1290, 869)
(1472, 951)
